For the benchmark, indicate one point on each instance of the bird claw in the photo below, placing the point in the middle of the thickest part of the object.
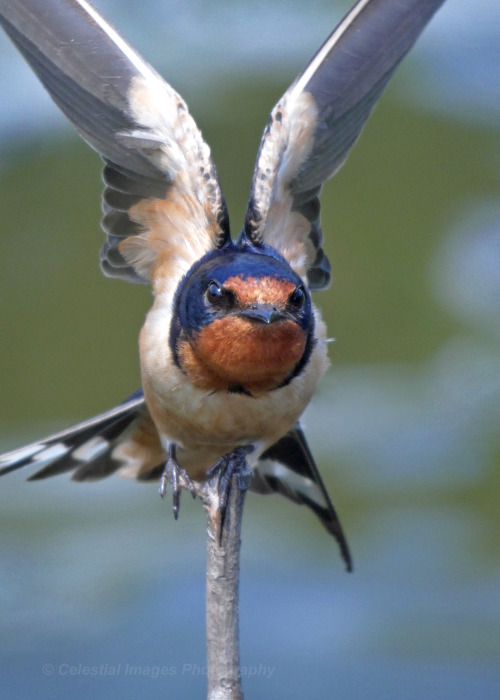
(218, 483)
(179, 479)
(220, 477)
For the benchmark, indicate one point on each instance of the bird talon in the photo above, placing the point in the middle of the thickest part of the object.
(229, 465)
(179, 479)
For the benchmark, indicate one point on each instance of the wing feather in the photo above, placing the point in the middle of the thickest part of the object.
(152, 148)
(315, 124)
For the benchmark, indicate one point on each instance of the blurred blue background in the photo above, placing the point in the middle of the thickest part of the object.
(101, 592)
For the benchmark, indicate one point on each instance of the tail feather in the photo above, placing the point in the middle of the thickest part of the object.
(86, 448)
(288, 467)
(125, 440)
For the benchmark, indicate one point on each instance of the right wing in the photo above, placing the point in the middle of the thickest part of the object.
(317, 121)
(162, 199)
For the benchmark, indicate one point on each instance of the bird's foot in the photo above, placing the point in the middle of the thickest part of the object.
(220, 477)
(179, 479)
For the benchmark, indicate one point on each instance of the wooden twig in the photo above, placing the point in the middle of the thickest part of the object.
(222, 602)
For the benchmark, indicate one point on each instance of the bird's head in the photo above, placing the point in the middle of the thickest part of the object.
(243, 321)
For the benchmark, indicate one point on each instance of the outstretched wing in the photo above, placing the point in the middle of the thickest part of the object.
(316, 122)
(288, 468)
(123, 439)
(162, 199)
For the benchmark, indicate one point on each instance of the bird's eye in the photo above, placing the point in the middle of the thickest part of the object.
(214, 292)
(297, 298)
(219, 297)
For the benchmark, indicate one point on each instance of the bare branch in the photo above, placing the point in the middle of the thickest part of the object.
(222, 611)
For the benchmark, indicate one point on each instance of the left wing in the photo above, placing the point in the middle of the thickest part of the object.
(315, 124)
(162, 201)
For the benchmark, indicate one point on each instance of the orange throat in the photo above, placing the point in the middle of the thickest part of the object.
(235, 352)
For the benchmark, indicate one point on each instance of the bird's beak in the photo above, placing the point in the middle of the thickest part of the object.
(263, 313)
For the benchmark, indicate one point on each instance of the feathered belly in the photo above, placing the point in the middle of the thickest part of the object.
(190, 417)
(207, 425)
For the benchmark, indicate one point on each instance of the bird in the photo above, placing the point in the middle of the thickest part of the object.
(233, 346)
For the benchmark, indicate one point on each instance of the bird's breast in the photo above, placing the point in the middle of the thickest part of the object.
(235, 353)
(207, 423)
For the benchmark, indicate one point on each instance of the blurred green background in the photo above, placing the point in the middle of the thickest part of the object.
(404, 428)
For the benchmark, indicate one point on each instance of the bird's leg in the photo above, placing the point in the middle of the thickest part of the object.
(178, 477)
(220, 476)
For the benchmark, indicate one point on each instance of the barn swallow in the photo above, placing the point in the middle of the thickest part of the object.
(233, 347)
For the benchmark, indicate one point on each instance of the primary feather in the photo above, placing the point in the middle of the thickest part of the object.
(157, 165)
(316, 122)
